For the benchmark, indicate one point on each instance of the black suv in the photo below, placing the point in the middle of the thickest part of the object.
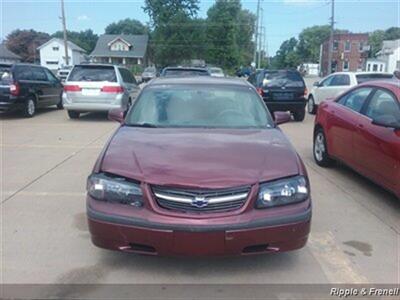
(282, 90)
(26, 87)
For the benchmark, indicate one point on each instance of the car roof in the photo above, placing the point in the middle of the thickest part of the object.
(206, 80)
(186, 68)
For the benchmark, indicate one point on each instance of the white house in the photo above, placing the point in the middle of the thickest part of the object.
(375, 65)
(390, 54)
(123, 49)
(52, 54)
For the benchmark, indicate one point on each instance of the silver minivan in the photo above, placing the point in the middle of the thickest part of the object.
(98, 87)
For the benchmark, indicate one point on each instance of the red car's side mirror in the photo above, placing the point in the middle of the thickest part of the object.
(116, 114)
(281, 117)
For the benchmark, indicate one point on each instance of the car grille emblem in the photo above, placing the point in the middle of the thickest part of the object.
(199, 202)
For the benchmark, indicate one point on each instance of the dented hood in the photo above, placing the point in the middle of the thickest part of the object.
(203, 158)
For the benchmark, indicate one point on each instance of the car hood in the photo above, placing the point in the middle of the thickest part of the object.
(200, 158)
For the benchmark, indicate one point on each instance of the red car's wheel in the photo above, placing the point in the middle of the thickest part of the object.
(320, 149)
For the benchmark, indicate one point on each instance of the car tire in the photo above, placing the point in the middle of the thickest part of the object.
(311, 107)
(299, 115)
(29, 109)
(320, 149)
(72, 114)
(60, 103)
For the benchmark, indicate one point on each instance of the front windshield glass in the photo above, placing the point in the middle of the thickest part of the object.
(282, 78)
(199, 106)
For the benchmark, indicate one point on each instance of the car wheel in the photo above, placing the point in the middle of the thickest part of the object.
(320, 149)
(60, 104)
(311, 108)
(299, 115)
(73, 114)
(29, 109)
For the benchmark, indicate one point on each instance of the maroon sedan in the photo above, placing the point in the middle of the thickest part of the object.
(198, 167)
(362, 129)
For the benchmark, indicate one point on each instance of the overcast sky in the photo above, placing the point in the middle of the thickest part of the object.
(282, 18)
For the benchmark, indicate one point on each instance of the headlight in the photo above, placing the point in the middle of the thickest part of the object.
(114, 189)
(282, 192)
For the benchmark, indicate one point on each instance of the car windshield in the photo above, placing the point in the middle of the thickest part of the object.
(368, 77)
(184, 72)
(282, 78)
(93, 73)
(199, 106)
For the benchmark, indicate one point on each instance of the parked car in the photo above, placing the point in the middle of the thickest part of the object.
(362, 129)
(26, 87)
(282, 90)
(198, 167)
(149, 73)
(98, 87)
(63, 72)
(337, 83)
(216, 72)
(184, 72)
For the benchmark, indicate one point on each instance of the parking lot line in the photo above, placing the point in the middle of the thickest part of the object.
(336, 266)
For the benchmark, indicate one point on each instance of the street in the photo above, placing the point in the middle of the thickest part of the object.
(44, 236)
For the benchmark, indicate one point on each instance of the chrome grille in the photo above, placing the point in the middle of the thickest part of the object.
(200, 201)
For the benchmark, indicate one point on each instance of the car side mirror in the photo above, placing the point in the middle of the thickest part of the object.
(116, 114)
(281, 117)
(316, 84)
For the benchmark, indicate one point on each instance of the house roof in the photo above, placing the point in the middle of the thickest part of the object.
(138, 49)
(5, 53)
(71, 45)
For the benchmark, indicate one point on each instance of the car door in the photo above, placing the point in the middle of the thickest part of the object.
(130, 83)
(320, 91)
(42, 87)
(344, 115)
(55, 87)
(333, 87)
(376, 144)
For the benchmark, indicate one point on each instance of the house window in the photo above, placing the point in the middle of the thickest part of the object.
(56, 48)
(52, 62)
(335, 45)
(347, 46)
(345, 65)
(381, 68)
(361, 47)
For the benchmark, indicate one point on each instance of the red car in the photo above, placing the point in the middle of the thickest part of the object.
(362, 129)
(198, 167)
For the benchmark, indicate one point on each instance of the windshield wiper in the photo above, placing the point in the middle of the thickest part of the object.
(145, 125)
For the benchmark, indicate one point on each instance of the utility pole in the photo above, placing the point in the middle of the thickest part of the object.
(260, 38)
(256, 32)
(330, 50)
(65, 32)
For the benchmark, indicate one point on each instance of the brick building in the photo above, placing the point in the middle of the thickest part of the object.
(350, 52)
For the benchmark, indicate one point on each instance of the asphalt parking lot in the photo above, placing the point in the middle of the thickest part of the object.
(44, 164)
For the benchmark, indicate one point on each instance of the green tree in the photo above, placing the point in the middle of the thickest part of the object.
(310, 40)
(375, 41)
(162, 11)
(177, 35)
(85, 39)
(245, 32)
(126, 26)
(25, 42)
(286, 56)
(222, 34)
(392, 33)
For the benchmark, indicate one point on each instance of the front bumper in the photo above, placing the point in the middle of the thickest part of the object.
(184, 237)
